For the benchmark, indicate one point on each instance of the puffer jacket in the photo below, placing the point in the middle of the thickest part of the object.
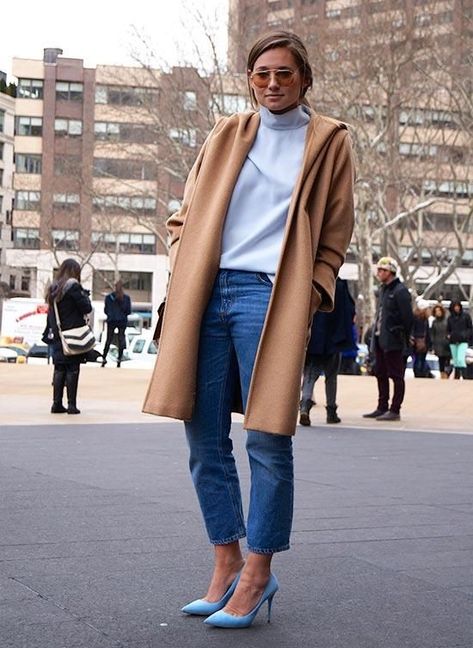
(459, 326)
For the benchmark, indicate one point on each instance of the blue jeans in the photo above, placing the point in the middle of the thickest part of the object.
(230, 332)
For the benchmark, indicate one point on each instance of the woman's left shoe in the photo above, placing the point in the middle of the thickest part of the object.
(201, 607)
(222, 619)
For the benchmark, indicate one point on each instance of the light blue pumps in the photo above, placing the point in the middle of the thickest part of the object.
(201, 607)
(222, 619)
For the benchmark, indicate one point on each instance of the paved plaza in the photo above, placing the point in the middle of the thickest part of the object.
(101, 539)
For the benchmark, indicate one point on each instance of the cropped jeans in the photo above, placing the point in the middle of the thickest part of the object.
(230, 332)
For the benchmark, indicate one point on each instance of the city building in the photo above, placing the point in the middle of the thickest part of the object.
(12, 280)
(101, 156)
(399, 72)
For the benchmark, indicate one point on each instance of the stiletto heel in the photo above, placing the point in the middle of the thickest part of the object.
(270, 602)
(222, 619)
(201, 607)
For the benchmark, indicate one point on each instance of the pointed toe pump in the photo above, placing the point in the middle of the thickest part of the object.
(201, 607)
(221, 619)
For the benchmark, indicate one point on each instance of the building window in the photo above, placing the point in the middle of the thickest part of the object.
(2, 120)
(67, 127)
(418, 150)
(125, 169)
(69, 91)
(26, 238)
(30, 89)
(1, 150)
(185, 136)
(12, 282)
(125, 96)
(27, 163)
(1, 177)
(230, 103)
(137, 133)
(65, 239)
(32, 126)
(65, 200)
(141, 204)
(125, 243)
(27, 200)
(66, 165)
(25, 283)
(189, 100)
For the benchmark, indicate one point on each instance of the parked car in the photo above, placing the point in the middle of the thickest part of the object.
(20, 351)
(142, 350)
(38, 351)
(8, 355)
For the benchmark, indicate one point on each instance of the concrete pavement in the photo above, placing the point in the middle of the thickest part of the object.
(112, 395)
(101, 539)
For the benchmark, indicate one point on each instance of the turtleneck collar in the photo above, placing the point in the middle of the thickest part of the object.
(294, 118)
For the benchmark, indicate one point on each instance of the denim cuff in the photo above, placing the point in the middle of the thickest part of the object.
(233, 538)
(269, 551)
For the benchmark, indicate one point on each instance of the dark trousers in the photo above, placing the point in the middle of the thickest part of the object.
(390, 364)
(111, 327)
(314, 366)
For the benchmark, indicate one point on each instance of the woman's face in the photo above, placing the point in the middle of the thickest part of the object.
(278, 94)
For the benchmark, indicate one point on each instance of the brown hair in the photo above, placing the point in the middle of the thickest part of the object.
(69, 269)
(294, 44)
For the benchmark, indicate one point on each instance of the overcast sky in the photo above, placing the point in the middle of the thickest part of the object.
(109, 31)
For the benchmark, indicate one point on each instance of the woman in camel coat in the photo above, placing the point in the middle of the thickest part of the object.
(264, 226)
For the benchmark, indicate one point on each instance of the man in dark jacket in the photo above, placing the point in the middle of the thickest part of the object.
(392, 328)
(331, 333)
(117, 309)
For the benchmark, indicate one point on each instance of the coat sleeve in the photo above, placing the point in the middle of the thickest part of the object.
(176, 221)
(338, 222)
(81, 299)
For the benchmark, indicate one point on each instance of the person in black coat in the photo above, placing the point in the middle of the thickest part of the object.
(331, 333)
(391, 331)
(421, 343)
(73, 304)
(460, 335)
(117, 309)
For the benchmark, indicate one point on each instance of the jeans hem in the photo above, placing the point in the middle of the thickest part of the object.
(268, 551)
(229, 540)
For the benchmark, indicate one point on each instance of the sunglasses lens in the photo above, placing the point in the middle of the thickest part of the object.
(262, 78)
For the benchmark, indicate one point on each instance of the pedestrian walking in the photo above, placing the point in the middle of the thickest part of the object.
(439, 341)
(117, 309)
(331, 333)
(73, 303)
(390, 338)
(264, 226)
(459, 335)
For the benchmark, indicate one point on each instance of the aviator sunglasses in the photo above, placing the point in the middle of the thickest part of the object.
(262, 78)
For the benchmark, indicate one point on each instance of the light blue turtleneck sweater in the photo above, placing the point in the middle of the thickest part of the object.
(257, 213)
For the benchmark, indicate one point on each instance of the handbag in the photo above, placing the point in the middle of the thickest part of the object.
(159, 323)
(76, 340)
(420, 344)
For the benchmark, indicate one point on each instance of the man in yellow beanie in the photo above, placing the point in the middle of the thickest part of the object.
(391, 331)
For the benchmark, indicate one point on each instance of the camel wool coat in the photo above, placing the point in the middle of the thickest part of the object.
(317, 233)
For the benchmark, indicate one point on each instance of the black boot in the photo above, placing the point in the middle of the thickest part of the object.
(304, 409)
(457, 373)
(59, 380)
(332, 416)
(72, 381)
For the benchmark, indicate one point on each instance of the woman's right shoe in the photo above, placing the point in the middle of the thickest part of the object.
(201, 607)
(222, 619)
(72, 409)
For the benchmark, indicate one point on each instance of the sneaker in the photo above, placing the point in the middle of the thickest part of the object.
(389, 416)
(375, 414)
